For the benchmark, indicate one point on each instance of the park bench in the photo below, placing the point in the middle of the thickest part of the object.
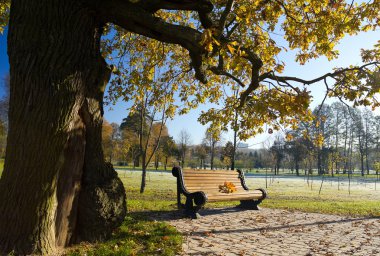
(202, 186)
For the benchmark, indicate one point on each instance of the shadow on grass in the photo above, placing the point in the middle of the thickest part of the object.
(138, 235)
(169, 215)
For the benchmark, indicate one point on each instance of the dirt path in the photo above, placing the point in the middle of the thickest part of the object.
(229, 231)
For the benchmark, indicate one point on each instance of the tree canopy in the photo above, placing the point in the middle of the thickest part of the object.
(231, 45)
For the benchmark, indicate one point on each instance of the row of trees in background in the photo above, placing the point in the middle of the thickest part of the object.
(341, 139)
(140, 142)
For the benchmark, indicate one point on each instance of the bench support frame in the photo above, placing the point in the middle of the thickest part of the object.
(196, 200)
(249, 204)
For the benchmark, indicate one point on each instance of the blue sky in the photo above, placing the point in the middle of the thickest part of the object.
(349, 54)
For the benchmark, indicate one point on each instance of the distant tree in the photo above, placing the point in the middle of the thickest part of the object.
(159, 134)
(298, 150)
(376, 138)
(107, 140)
(201, 154)
(133, 122)
(228, 154)
(184, 141)
(278, 152)
(150, 143)
(130, 147)
(359, 131)
(257, 159)
(320, 133)
(135, 127)
(169, 149)
(211, 139)
(368, 121)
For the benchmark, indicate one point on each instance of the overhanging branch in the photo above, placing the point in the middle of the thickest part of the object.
(272, 76)
(134, 18)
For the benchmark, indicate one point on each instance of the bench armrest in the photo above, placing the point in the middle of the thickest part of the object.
(265, 193)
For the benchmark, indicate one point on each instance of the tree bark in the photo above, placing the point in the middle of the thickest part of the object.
(52, 156)
(102, 201)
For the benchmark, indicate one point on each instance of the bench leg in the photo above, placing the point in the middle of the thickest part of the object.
(249, 204)
(191, 210)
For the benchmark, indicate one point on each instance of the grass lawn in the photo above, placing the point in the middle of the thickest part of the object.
(137, 236)
(287, 193)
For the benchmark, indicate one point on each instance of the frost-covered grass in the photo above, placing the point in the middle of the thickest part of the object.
(284, 192)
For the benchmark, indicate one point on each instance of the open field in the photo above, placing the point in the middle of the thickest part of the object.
(290, 193)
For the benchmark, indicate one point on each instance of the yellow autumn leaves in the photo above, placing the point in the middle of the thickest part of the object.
(227, 187)
(266, 28)
(4, 14)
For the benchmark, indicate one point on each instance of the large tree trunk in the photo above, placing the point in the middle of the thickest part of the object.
(102, 202)
(56, 69)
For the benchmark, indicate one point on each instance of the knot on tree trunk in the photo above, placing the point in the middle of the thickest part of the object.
(102, 206)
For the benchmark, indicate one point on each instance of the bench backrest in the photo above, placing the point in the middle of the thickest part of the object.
(209, 180)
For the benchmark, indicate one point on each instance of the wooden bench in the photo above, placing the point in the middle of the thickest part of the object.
(202, 186)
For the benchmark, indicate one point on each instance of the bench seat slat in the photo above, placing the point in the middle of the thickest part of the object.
(212, 181)
(237, 193)
(207, 171)
(236, 196)
(208, 188)
(235, 180)
(210, 178)
(210, 174)
(232, 198)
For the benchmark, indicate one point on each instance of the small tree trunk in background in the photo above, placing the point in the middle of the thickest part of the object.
(233, 157)
(166, 163)
(319, 162)
(143, 174)
(345, 154)
(362, 163)
(297, 168)
(212, 156)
